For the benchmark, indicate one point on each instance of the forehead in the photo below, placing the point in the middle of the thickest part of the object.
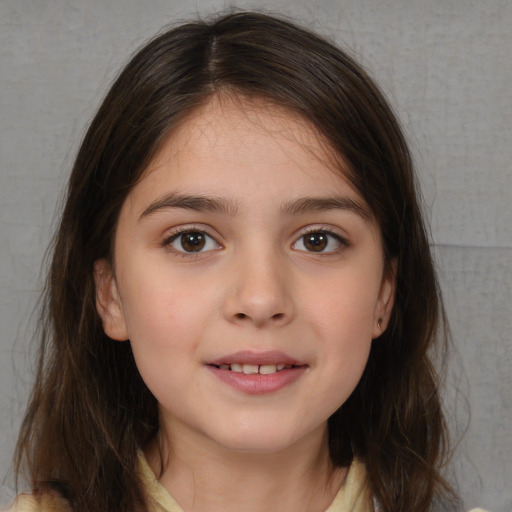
(252, 130)
(247, 150)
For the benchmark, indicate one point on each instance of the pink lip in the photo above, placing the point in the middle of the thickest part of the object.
(256, 384)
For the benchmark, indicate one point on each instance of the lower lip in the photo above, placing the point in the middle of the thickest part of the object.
(258, 384)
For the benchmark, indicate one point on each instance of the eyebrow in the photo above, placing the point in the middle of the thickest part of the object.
(196, 203)
(229, 207)
(318, 204)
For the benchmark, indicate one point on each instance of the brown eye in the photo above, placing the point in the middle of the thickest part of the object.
(320, 242)
(192, 241)
(316, 242)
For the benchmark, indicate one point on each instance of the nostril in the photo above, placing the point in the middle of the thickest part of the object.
(244, 316)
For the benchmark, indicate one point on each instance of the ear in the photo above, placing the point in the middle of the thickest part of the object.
(385, 300)
(108, 304)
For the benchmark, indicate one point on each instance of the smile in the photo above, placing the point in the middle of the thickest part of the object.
(253, 369)
(257, 373)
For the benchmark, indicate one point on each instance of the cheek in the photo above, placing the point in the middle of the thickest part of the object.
(158, 302)
(164, 339)
(344, 307)
(166, 321)
(341, 312)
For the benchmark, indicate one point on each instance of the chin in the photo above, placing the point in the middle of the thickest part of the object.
(265, 439)
(260, 446)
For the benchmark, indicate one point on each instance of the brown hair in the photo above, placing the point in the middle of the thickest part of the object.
(90, 409)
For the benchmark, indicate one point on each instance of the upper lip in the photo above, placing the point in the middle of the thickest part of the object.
(259, 358)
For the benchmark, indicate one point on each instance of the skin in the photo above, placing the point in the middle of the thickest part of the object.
(256, 285)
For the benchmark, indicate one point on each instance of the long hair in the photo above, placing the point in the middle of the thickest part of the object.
(90, 410)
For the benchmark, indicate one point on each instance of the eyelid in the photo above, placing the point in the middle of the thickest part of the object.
(175, 233)
(340, 239)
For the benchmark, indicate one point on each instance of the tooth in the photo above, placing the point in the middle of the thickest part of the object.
(235, 367)
(280, 367)
(224, 366)
(266, 369)
(249, 369)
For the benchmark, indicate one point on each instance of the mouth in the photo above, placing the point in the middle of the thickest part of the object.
(257, 372)
(252, 362)
(253, 369)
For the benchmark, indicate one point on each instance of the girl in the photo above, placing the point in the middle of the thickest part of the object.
(242, 310)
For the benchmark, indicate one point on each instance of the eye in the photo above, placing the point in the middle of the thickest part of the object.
(192, 241)
(319, 241)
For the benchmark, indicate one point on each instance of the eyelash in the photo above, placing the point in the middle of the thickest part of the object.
(342, 242)
(167, 242)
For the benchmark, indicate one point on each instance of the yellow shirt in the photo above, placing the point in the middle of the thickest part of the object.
(352, 497)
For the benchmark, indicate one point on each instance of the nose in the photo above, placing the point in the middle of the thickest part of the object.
(260, 292)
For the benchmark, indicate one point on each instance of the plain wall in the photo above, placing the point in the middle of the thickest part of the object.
(445, 66)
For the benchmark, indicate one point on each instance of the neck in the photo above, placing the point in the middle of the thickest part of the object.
(203, 476)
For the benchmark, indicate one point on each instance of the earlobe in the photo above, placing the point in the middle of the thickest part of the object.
(108, 304)
(385, 301)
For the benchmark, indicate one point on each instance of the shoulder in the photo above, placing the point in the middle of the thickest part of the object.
(25, 502)
(46, 502)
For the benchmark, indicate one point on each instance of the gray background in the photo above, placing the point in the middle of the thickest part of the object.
(446, 67)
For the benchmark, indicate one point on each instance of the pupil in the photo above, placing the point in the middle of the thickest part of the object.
(193, 242)
(316, 242)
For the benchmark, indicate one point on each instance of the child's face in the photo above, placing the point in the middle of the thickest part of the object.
(240, 246)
